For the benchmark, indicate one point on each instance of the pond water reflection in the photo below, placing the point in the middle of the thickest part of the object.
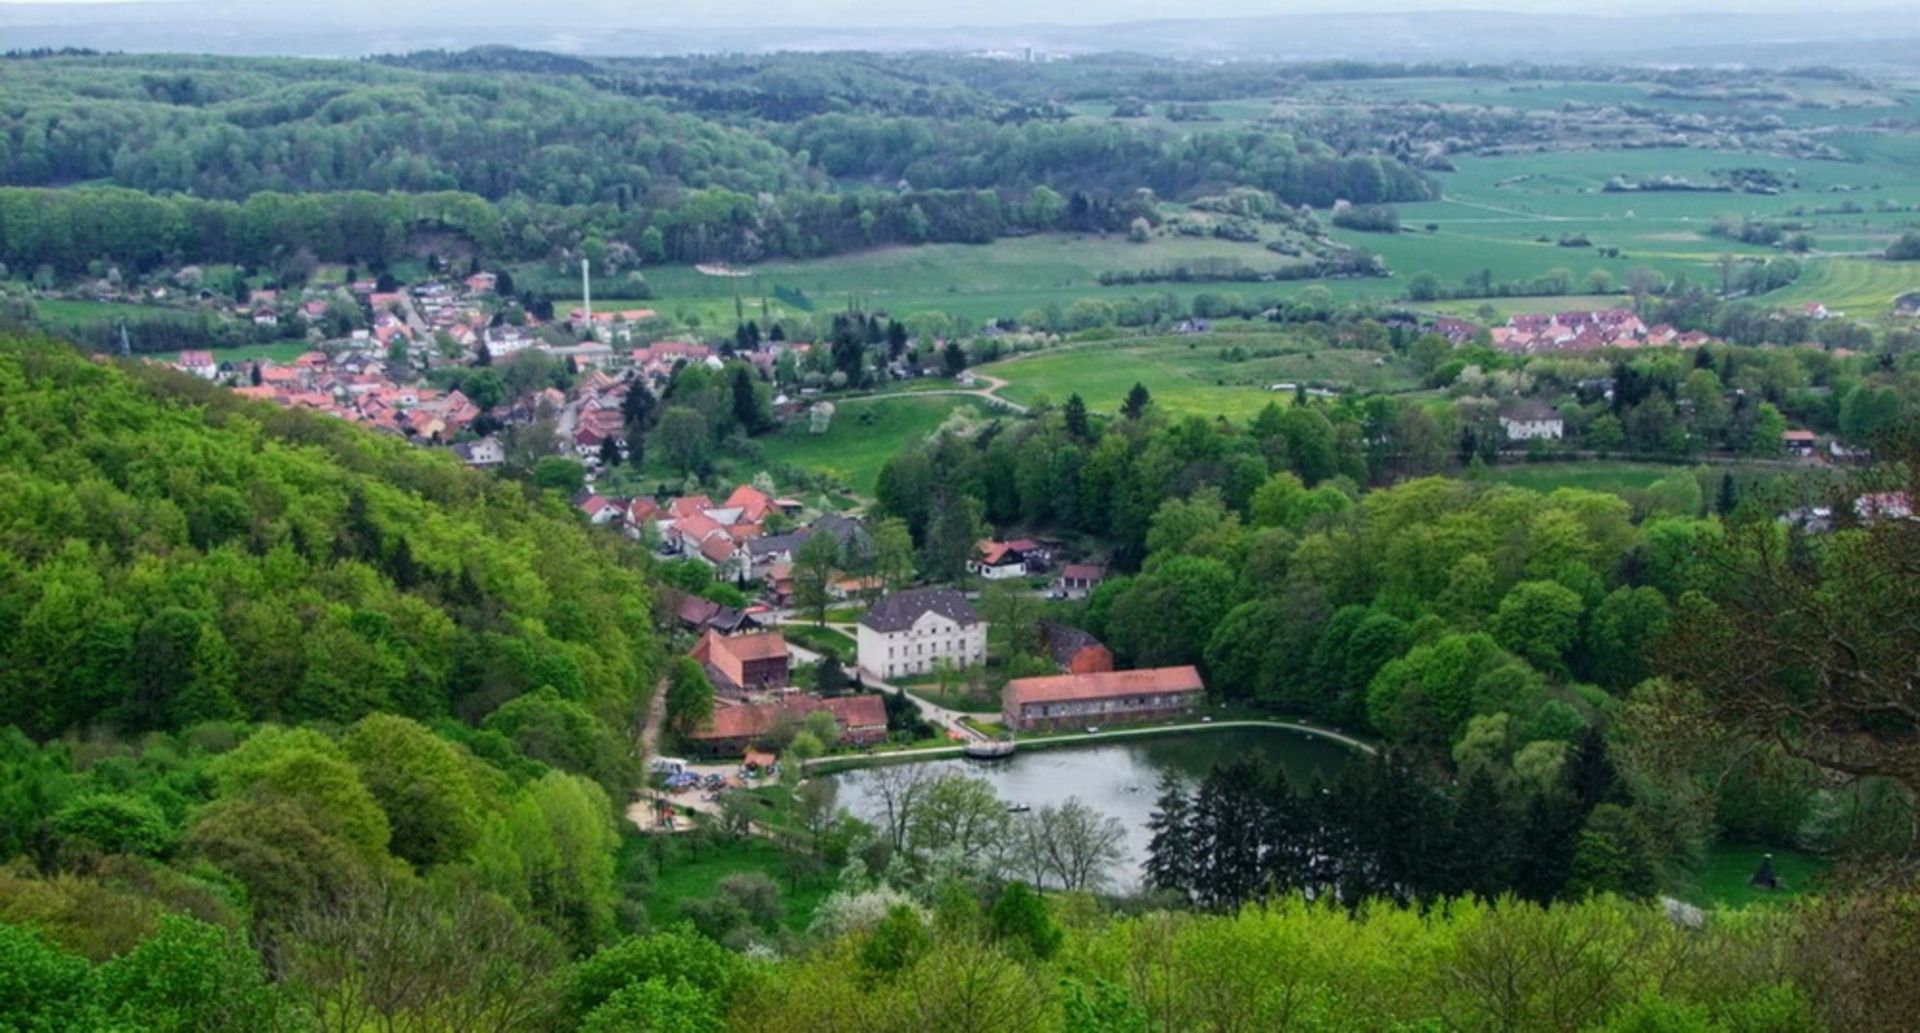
(1118, 778)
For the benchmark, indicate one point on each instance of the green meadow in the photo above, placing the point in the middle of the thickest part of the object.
(1505, 215)
(982, 281)
(1195, 375)
(1853, 287)
(864, 434)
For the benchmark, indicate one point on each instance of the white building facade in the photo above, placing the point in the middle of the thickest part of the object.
(915, 633)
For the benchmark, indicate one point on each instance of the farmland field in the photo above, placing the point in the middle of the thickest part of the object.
(1505, 215)
(982, 281)
(1192, 375)
(1854, 287)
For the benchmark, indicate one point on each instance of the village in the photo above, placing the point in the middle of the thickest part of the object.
(767, 687)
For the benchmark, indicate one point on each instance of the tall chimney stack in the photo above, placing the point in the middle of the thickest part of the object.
(586, 293)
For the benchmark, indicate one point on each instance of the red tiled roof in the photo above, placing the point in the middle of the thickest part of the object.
(689, 505)
(1083, 572)
(717, 550)
(1103, 685)
(991, 553)
(747, 720)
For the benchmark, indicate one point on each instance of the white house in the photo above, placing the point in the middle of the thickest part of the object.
(1532, 421)
(484, 453)
(199, 363)
(912, 632)
(996, 561)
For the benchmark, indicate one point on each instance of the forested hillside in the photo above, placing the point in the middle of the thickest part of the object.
(558, 156)
(175, 555)
(283, 674)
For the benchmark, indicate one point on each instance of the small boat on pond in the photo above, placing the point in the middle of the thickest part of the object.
(994, 749)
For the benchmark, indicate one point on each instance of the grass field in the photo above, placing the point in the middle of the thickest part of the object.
(1619, 476)
(687, 874)
(865, 433)
(1860, 288)
(1592, 475)
(981, 281)
(65, 313)
(278, 351)
(1723, 880)
(1191, 376)
(1503, 214)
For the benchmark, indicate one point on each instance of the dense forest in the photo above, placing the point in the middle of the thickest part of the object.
(297, 710)
(561, 157)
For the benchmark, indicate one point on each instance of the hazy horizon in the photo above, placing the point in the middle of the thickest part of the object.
(1772, 32)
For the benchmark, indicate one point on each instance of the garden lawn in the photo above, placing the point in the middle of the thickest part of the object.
(821, 640)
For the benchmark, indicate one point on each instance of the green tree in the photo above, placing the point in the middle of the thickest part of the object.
(683, 436)
(1019, 919)
(1539, 620)
(689, 697)
(814, 567)
(191, 976)
(422, 783)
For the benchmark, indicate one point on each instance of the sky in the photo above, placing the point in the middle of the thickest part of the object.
(982, 12)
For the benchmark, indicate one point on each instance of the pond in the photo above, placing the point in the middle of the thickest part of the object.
(1118, 778)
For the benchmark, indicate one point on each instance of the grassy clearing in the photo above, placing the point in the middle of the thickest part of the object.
(1591, 475)
(1620, 476)
(863, 436)
(1722, 880)
(1194, 375)
(682, 872)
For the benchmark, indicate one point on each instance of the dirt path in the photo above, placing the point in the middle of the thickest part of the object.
(641, 811)
(989, 394)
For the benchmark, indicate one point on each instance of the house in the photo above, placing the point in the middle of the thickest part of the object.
(598, 508)
(484, 453)
(700, 615)
(744, 663)
(1532, 421)
(199, 363)
(911, 632)
(862, 721)
(1101, 698)
(1800, 442)
(997, 561)
(1075, 650)
(584, 354)
(1078, 580)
